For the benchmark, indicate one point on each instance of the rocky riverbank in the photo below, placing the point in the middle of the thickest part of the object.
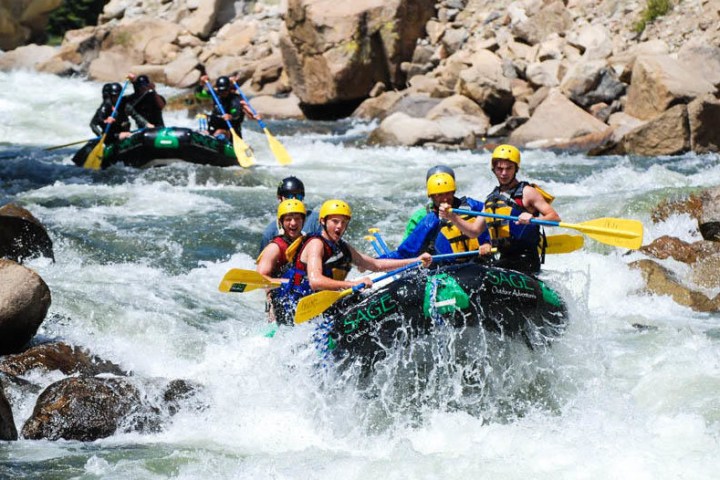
(573, 74)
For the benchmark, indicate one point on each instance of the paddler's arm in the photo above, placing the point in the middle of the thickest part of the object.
(386, 264)
(267, 260)
(535, 202)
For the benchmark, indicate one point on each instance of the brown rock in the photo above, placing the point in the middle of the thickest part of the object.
(7, 422)
(22, 235)
(24, 302)
(668, 134)
(660, 281)
(57, 356)
(704, 118)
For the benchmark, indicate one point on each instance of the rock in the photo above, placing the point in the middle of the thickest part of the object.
(667, 134)
(278, 107)
(7, 422)
(336, 51)
(659, 82)
(701, 59)
(556, 119)
(26, 58)
(84, 409)
(709, 221)
(704, 118)
(22, 236)
(667, 246)
(57, 356)
(484, 83)
(661, 281)
(24, 302)
(462, 110)
(21, 20)
(552, 18)
(402, 129)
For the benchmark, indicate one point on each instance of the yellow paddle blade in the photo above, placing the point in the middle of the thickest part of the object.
(95, 157)
(564, 243)
(240, 281)
(620, 232)
(243, 152)
(315, 304)
(277, 148)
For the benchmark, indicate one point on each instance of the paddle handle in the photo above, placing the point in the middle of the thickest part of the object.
(117, 105)
(247, 100)
(210, 88)
(504, 217)
(360, 286)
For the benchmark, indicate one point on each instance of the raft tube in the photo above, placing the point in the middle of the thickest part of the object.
(160, 146)
(471, 295)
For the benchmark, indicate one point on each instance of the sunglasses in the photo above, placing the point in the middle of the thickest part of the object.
(295, 196)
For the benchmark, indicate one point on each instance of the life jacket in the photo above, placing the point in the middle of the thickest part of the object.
(336, 258)
(459, 242)
(507, 236)
(287, 253)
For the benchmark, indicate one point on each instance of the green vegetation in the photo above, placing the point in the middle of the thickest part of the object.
(653, 10)
(72, 15)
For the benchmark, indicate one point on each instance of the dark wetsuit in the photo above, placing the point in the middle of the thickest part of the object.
(146, 107)
(121, 124)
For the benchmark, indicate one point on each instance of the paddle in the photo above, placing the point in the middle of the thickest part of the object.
(47, 149)
(94, 158)
(563, 243)
(243, 152)
(619, 232)
(315, 304)
(282, 156)
(239, 281)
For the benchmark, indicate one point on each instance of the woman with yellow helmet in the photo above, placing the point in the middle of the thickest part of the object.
(518, 241)
(290, 219)
(436, 236)
(323, 260)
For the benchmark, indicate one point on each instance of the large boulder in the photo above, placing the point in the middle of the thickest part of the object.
(82, 408)
(57, 356)
(7, 422)
(24, 302)
(709, 221)
(402, 129)
(668, 134)
(659, 82)
(335, 52)
(22, 235)
(21, 20)
(557, 119)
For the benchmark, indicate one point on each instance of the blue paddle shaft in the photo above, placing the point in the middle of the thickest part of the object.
(247, 100)
(217, 102)
(504, 217)
(117, 105)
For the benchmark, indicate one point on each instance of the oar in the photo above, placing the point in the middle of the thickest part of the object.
(84, 141)
(282, 156)
(243, 152)
(239, 281)
(564, 243)
(95, 157)
(315, 304)
(619, 232)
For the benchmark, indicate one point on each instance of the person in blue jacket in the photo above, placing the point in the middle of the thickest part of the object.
(437, 236)
(288, 189)
(420, 213)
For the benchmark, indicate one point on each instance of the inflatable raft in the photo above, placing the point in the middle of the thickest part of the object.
(460, 296)
(160, 146)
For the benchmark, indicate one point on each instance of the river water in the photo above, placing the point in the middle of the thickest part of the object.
(140, 253)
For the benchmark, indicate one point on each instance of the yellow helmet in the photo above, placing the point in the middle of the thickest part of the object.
(506, 152)
(290, 206)
(335, 207)
(440, 183)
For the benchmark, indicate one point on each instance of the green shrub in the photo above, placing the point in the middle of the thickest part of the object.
(653, 10)
(72, 15)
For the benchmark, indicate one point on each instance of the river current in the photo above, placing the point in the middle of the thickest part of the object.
(140, 253)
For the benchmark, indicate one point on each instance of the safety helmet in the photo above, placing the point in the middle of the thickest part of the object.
(439, 169)
(440, 183)
(506, 152)
(335, 207)
(290, 206)
(222, 84)
(141, 81)
(290, 186)
(110, 89)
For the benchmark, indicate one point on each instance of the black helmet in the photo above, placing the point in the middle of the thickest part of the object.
(222, 84)
(291, 186)
(439, 169)
(141, 81)
(111, 89)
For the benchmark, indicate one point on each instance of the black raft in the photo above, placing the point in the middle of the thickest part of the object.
(460, 296)
(159, 146)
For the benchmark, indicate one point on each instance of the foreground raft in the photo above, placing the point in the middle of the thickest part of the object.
(160, 146)
(367, 326)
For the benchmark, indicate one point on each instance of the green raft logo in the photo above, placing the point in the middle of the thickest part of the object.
(374, 310)
(517, 281)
